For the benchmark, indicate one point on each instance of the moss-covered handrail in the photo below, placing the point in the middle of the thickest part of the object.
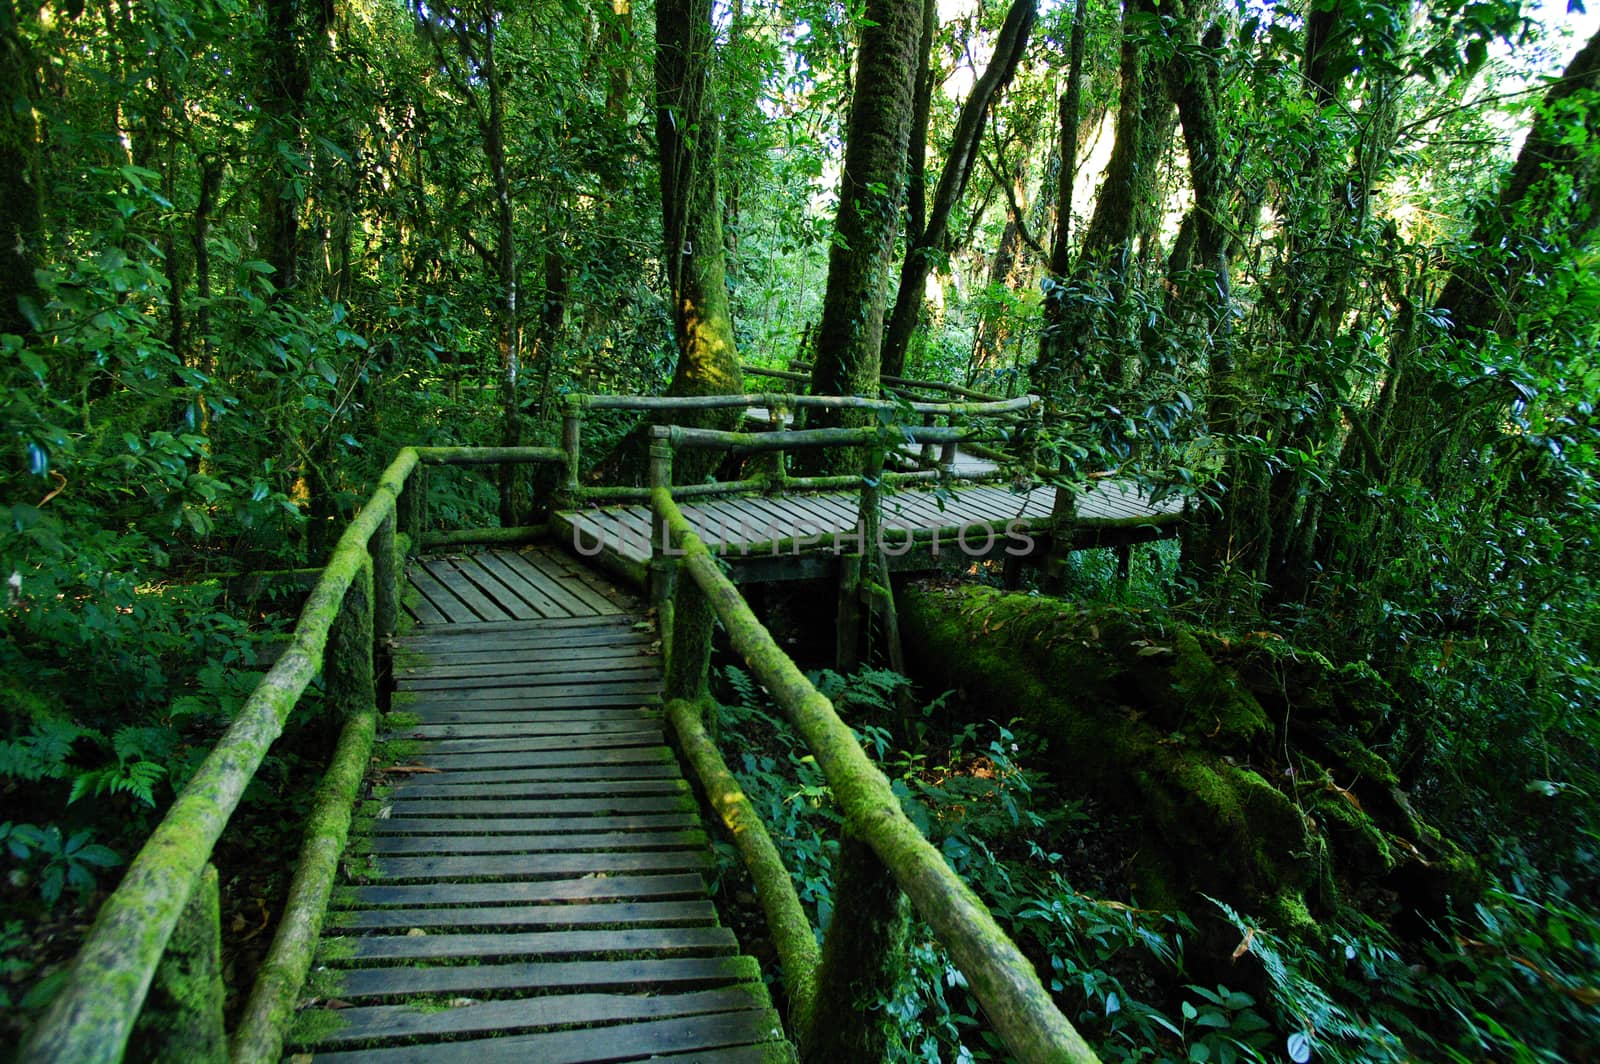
(1000, 975)
(791, 932)
(91, 1017)
(489, 455)
(795, 439)
(801, 371)
(988, 406)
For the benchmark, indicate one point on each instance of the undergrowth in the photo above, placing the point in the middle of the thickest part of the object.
(1515, 982)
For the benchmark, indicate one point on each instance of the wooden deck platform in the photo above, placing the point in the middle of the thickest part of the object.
(529, 887)
(749, 526)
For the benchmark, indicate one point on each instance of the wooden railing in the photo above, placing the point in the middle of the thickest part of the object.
(170, 885)
(824, 986)
(958, 419)
(164, 914)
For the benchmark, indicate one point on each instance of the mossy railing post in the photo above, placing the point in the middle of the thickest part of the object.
(780, 461)
(1063, 510)
(182, 1015)
(847, 620)
(387, 571)
(661, 567)
(863, 956)
(925, 454)
(571, 491)
(413, 507)
(347, 667)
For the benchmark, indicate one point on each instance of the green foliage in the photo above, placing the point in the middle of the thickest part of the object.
(59, 862)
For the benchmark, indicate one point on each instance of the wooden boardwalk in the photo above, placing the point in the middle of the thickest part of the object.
(751, 523)
(530, 886)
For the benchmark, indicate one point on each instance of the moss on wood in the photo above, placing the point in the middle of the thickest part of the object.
(182, 1018)
(90, 1019)
(863, 959)
(1002, 978)
(260, 1033)
(791, 932)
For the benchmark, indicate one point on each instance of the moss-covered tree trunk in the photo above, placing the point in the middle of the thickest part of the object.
(850, 337)
(691, 219)
(863, 958)
(20, 226)
(1247, 764)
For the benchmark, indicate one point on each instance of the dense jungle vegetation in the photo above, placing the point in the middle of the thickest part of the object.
(1331, 268)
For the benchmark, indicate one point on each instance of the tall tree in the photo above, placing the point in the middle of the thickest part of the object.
(1144, 129)
(691, 213)
(475, 30)
(957, 171)
(20, 227)
(850, 337)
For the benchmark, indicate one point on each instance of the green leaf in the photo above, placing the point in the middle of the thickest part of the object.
(33, 364)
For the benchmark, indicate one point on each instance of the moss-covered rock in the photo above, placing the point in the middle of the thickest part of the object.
(1248, 763)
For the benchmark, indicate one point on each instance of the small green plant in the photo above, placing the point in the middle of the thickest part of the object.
(67, 861)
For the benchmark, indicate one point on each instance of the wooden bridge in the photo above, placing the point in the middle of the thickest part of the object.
(526, 878)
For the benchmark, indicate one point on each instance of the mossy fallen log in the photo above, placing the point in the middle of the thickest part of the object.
(1248, 763)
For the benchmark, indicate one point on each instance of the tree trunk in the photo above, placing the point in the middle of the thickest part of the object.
(850, 338)
(1144, 126)
(283, 99)
(1008, 50)
(691, 219)
(1485, 290)
(514, 493)
(21, 227)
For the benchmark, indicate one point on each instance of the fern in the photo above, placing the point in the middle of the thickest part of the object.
(43, 755)
(153, 743)
(137, 778)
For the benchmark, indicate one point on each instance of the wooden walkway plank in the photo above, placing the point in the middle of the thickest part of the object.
(540, 845)
(519, 892)
(756, 1028)
(517, 582)
(402, 825)
(525, 843)
(699, 940)
(484, 608)
(699, 911)
(620, 602)
(559, 577)
(480, 569)
(400, 1021)
(450, 781)
(657, 975)
(443, 601)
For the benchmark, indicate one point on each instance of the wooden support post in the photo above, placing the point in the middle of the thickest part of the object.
(1124, 562)
(347, 666)
(571, 491)
(947, 452)
(863, 955)
(661, 561)
(780, 461)
(689, 647)
(182, 1015)
(1011, 572)
(413, 505)
(1062, 512)
(847, 621)
(925, 456)
(388, 570)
